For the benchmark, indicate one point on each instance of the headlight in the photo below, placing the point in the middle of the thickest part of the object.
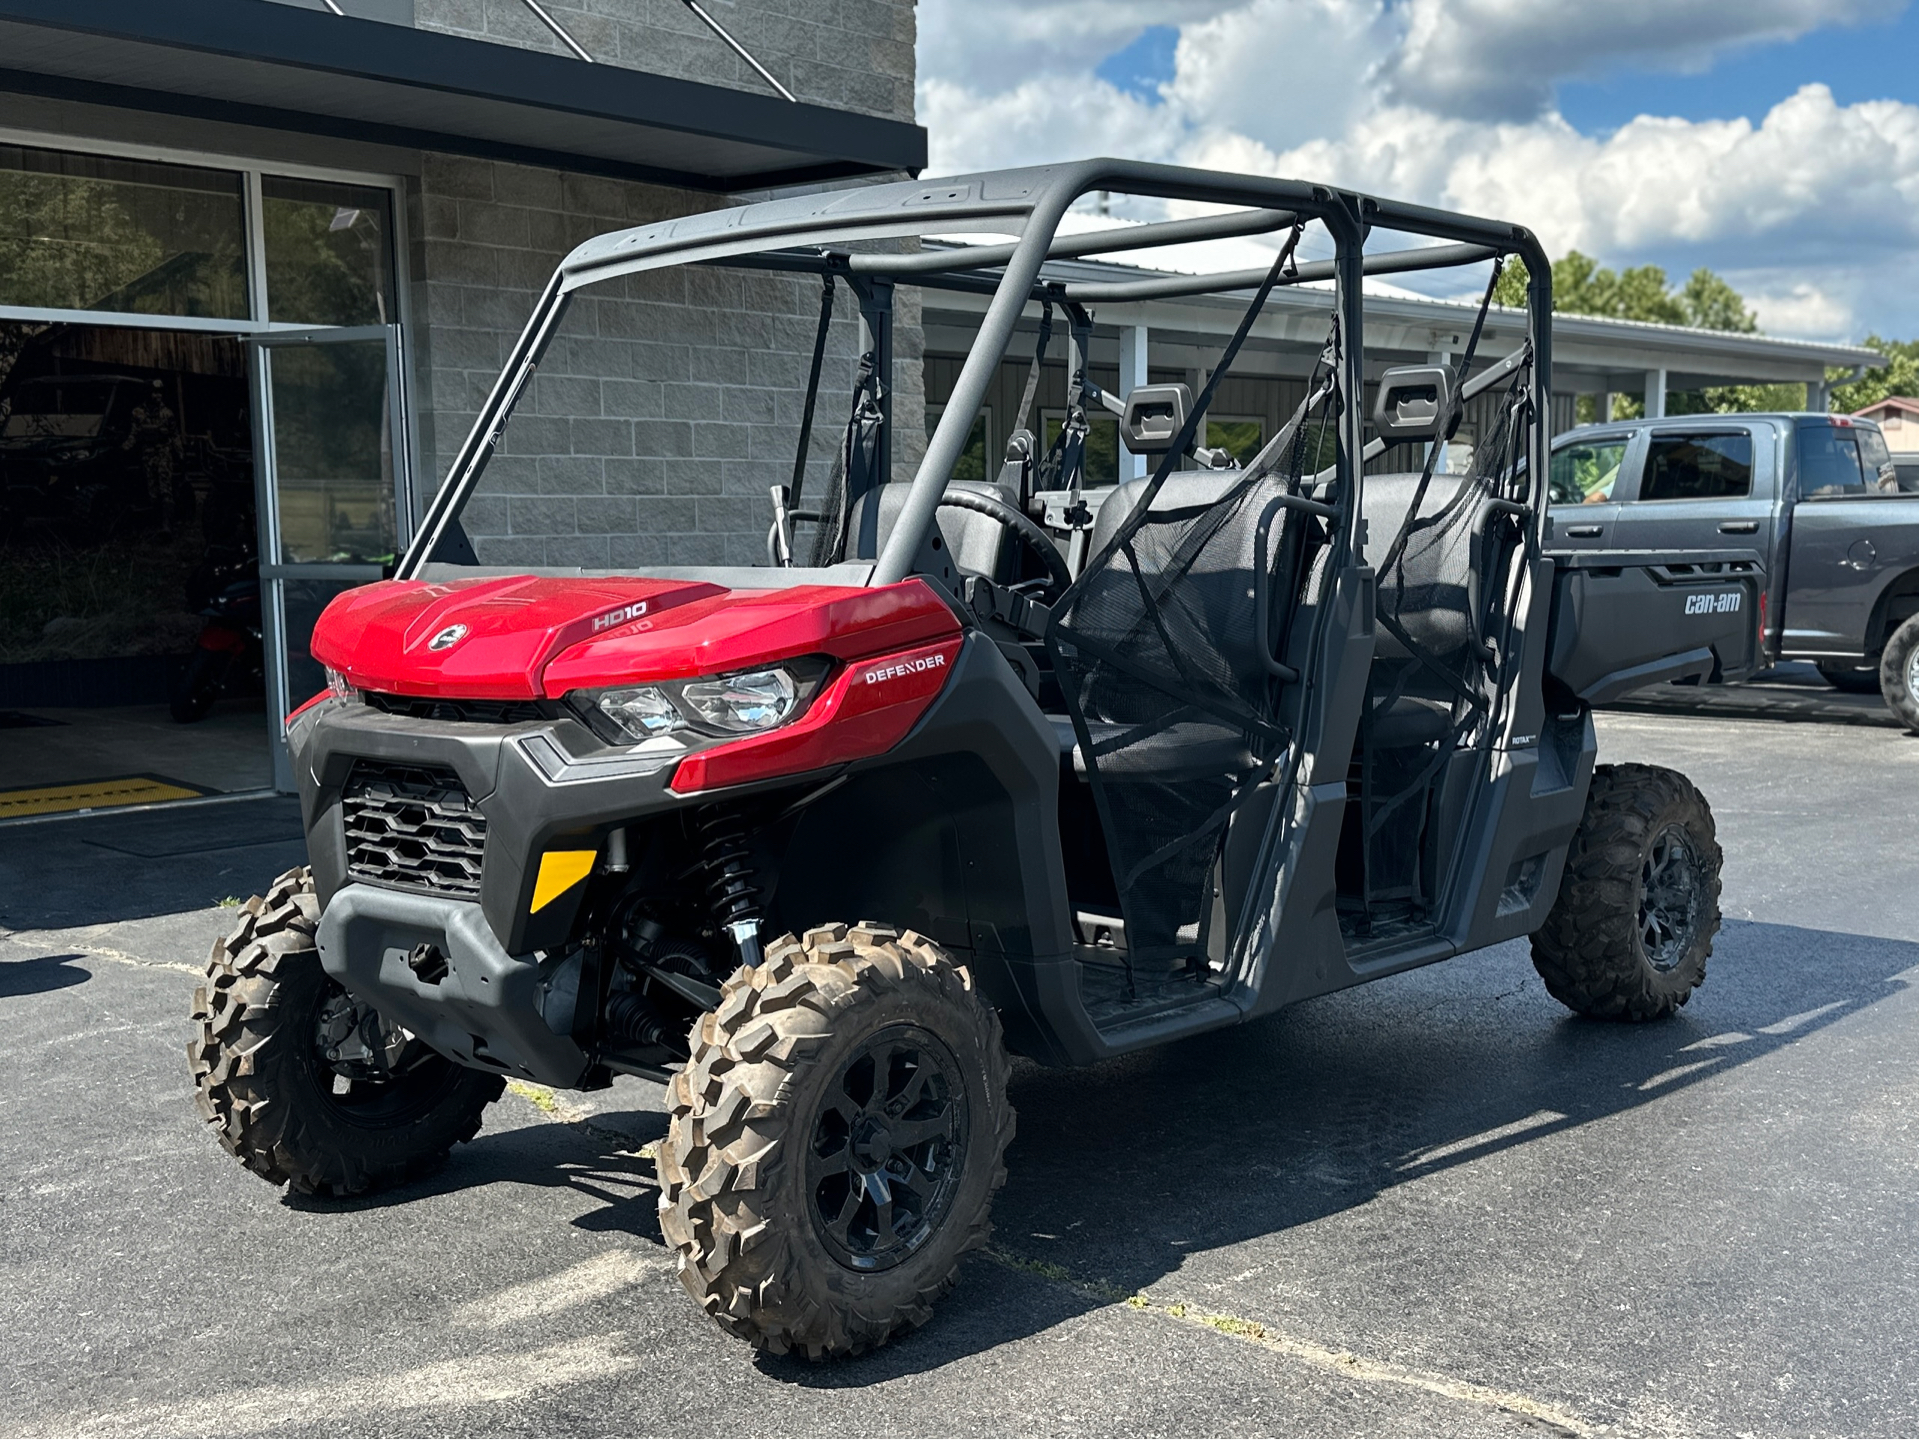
(746, 703)
(742, 704)
(641, 712)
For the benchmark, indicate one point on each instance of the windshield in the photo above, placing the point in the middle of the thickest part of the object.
(664, 412)
(63, 397)
(58, 409)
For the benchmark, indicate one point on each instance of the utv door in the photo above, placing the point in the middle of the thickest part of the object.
(1179, 658)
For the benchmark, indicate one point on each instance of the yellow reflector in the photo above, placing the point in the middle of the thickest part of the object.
(560, 871)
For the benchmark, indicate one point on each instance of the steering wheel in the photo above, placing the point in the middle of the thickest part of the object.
(1034, 538)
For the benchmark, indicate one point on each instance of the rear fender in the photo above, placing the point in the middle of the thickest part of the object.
(1622, 620)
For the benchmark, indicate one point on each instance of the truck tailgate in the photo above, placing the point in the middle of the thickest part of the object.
(1624, 619)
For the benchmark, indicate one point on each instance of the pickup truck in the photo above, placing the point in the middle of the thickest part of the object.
(1814, 499)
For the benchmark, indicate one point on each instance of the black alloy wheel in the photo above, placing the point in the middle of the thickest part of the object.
(888, 1149)
(1670, 891)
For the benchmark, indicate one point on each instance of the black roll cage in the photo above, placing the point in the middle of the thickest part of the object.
(802, 233)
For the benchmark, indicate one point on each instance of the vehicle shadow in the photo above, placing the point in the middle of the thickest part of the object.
(42, 973)
(51, 873)
(1122, 1170)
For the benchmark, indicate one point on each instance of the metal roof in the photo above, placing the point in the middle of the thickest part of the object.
(288, 68)
(1590, 352)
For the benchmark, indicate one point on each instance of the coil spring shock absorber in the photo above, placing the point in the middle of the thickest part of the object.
(730, 885)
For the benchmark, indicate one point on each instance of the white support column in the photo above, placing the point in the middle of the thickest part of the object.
(1602, 412)
(1133, 342)
(1818, 396)
(1655, 394)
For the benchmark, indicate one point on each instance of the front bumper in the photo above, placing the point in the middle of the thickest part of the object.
(539, 785)
(480, 1006)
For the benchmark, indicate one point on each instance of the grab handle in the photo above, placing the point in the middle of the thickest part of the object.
(1263, 580)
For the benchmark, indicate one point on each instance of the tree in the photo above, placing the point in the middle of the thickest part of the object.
(1711, 304)
(1898, 376)
(1581, 286)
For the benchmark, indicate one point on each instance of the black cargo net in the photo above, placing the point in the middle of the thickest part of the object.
(1444, 604)
(1171, 672)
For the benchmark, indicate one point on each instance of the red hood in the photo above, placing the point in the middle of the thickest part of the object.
(381, 636)
(526, 638)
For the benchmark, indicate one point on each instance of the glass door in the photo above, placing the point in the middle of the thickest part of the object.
(333, 460)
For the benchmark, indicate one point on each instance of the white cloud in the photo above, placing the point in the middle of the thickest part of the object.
(1801, 308)
(1810, 168)
(1280, 71)
(1036, 122)
(1448, 102)
(1499, 59)
(993, 46)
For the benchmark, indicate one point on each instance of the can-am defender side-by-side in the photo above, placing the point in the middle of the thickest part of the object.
(1022, 763)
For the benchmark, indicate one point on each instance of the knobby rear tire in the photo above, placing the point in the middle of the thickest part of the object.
(270, 1096)
(737, 1194)
(1591, 951)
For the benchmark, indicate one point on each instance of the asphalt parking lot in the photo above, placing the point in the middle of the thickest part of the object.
(1434, 1205)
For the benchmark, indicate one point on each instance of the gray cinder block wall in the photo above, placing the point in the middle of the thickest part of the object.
(671, 402)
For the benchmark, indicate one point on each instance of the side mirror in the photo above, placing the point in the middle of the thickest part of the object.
(1155, 414)
(1415, 403)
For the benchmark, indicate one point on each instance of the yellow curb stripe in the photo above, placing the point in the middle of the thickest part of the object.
(92, 795)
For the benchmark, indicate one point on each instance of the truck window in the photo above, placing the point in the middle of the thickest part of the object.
(1882, 478)
(1584, 474)
(1698, 467)
(1829, 463)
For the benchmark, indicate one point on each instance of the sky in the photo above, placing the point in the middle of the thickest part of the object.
(1774, 141)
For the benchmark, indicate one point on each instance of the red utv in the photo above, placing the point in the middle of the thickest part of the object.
(1026, 763)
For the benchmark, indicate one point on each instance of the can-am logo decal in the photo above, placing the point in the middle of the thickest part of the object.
(447, 638)
(620, 616)
(914, 666)
(1712, 604)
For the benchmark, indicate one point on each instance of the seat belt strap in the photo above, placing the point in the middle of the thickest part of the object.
(827, 288)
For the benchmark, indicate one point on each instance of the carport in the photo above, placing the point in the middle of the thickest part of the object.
(1148, 333)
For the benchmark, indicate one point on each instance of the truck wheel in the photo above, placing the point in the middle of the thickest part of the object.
(1628, 937)
(306, 1085)
(1853, 679)
(1899, 674)
(836, 1140)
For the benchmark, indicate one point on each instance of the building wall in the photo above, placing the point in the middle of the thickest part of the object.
(669, 407)
(853, 54)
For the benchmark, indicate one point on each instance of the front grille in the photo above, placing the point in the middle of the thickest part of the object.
(412, 826)
(472, 712)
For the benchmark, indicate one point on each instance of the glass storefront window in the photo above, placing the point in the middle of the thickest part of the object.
(328, 252)
(304, 600)
(333, 453)
(92, 232)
